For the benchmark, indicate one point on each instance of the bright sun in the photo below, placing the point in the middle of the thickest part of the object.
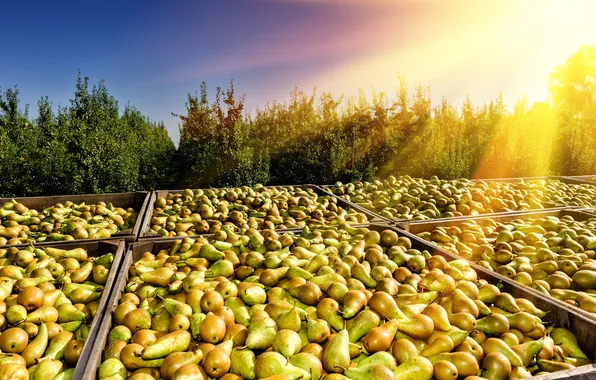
(475, 48)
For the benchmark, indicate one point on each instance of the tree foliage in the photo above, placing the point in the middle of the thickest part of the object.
(87, 147)
(93, 146)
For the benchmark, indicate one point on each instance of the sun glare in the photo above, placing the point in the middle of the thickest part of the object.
(464, 53)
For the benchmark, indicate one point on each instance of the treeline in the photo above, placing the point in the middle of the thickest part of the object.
(90, 146)
(322, 139)
(87, 147)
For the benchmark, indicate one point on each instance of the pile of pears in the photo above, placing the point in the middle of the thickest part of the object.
(48, 299)
(260, 207)
(410, 198)
(335, 304)
(556, 256)
(69, 221)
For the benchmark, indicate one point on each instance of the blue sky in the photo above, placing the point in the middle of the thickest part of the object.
(152, 53)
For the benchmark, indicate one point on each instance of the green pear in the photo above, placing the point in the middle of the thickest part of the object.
(336, 357)
(261, 333)
(176, 307)
(287, 343)
(374, 371)
(362, 323)
(35, 349)
(47, 369)
(65, 375)
(243, 363)
(309, 363)
(241, 315)
(120, 332)
(379, 358)
(57, 345)
(69, 313)
(273, 363)
(173, 342)
(289, 320)
(497, 345)
(528, 350)
(565, 338)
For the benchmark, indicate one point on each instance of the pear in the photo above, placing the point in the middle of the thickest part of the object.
(383, 304)
(565, 338)
(254, 295)
(403, 350)
(439, 316)
(159, 277)
(379, 358)
(112, 368)
(55, 349)
(47, 369)
(130, 356)
(243, 363)
(324, 281)
(337, 291)
(362, 324)
(287, 343)
(176, 360)
(464, 304)
(195, 324)
(328, 309)
(497, 345)
(418, 368)
(360, 272)
(176, 341)
(487, 293)
(419, 326)
(273, 363)
(528, 350)
(505, 301)
(120, 332)
(442, 343)
(309, 363)
(336, 357)
(419, 298)
(69, 313)
(36, 348)
(241, 315)
(44, 314)
(176, 307)
(289, 320)
(466, 364)
(553, 366)
(261, 333)
(493, 325)
(380, 338)
(353, 302)
(496, 366)
(374, 371)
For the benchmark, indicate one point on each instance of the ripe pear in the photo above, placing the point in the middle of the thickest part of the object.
(496, 366)
(497, 345)
(418, 368)
(309, 363)
(261, 333)
(243, 363)
(568, 342)
(176, 341)
(439, 316)
(380, 338)
(273, 363)
(287, 343)
(361, 324)
(336, 356)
